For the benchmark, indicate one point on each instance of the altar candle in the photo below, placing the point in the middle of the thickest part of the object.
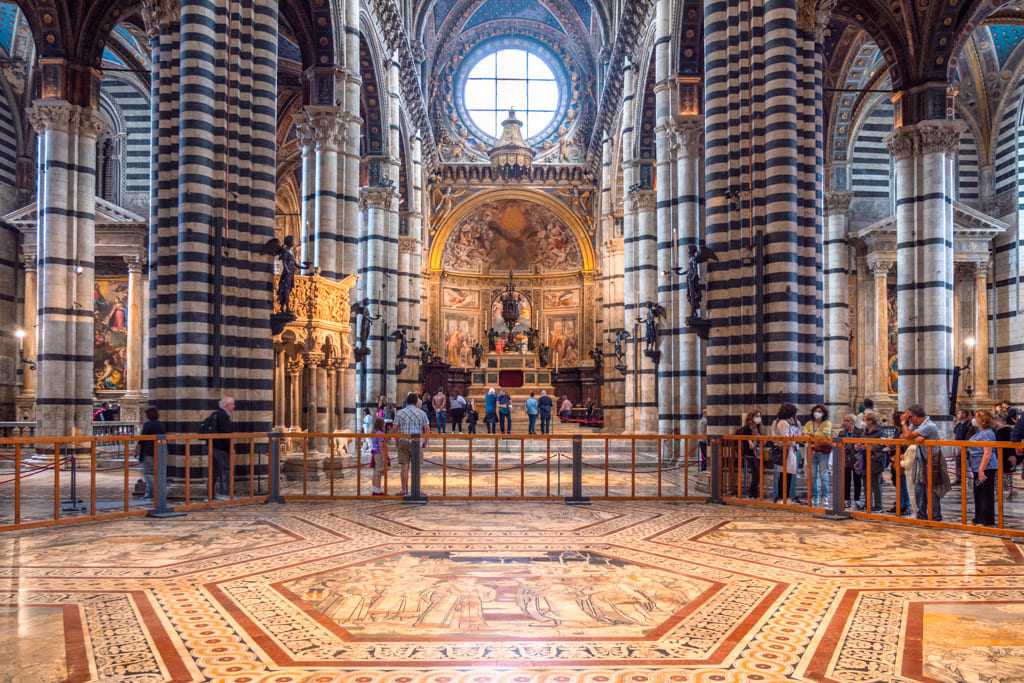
(556, 361)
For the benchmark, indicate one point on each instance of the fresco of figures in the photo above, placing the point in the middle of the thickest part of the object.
(563, 338)
(511, 234)
(459, 337)
(110, 307)
(461, 298)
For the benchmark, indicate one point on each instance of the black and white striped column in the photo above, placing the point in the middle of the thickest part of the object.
(764, 136)
(923, 154)
(211, 285)
(687, 373)
(612, 279)
(375, 274)
(321, 133)
(644, 247)
(837, 303)
(66, 205)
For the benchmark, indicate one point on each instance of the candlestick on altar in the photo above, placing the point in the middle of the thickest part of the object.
(556, 361)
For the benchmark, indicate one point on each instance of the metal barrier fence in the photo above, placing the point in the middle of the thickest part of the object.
(47, 481)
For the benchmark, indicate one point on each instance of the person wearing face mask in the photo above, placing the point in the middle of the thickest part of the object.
(821, 454)
(750, 450)
(962, 431)
(918, 428)
(984, 468)
(852, 455)
(785, 425)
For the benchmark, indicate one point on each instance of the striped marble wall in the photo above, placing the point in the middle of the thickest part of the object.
(8, 144)
(132, 104)
(870, 166)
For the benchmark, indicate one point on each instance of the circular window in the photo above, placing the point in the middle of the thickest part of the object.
(511, 78)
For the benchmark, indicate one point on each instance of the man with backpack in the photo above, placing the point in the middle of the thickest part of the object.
(219, 422)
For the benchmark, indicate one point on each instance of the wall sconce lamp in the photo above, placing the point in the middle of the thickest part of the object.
(20, 334)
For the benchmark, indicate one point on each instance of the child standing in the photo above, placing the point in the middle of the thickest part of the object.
(379, 455)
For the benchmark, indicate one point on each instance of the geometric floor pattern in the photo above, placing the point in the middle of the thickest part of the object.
(494, 592)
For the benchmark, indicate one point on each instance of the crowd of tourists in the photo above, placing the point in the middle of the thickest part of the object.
(858, 460)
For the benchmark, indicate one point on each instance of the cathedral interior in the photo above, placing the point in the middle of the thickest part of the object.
(650, 208)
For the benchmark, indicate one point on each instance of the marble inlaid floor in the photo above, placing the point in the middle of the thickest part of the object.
(489, 592)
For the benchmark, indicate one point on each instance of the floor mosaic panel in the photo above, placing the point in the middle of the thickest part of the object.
(489, 592)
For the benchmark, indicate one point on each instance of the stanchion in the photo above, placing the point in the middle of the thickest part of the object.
(836, 511)
(577, 497)
(72, 504)
(716, 471)
(161, 510)
(415, 496)
(274, 477)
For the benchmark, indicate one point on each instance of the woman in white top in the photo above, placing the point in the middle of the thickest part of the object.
(785, 425)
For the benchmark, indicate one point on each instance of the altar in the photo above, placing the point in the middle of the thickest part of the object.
(512, 371)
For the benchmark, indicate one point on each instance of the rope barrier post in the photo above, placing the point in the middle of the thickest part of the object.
(72, 504)
(577, 497)
(836, 511)
(274, 477)
(161, 510)
(415, 496)
(716, 471)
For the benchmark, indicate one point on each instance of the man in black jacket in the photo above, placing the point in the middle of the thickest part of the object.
(222, 447)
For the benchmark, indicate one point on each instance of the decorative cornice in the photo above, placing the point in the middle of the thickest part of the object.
(927, 137)
(812, 16)
(837, 202)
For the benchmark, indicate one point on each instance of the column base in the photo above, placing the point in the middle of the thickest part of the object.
(132, 404)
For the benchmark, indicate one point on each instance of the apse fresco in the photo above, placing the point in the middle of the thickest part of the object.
(511, 234)
(110, 306)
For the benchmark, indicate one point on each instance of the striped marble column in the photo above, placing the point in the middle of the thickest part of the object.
(29, 321)
(688, 373)
(762, 353)
(630, 177)
(837, 303)
(134, 358)
(211, 285)
(645, 258)
(923, 154)
(666, 287)
(612, 278)
(981, 336)
(66, 204)
(375, 274)
(321, 133)
(412, 246)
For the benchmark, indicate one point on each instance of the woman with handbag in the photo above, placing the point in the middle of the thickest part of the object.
(750, 450)
(852, 454)
(821, 454)
(785, 425)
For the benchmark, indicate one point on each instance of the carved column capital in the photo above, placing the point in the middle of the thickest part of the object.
(981, 270)
(159, 14)
(51, 115)
(374, 197)
(89, 122)
(28, 258)
(687, 138)
(294, 367)
(313, 360)
(322, 127)
(408, 245)
(812, 16)
(879, 266)
(837, 203)
(643, 200)
(613, 246)
(927, 137)
(134, 262)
